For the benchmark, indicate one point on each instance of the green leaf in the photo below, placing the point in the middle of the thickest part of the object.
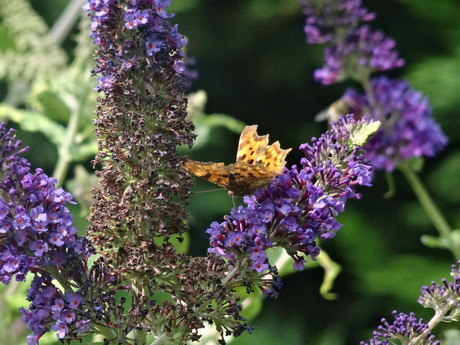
(180, 246)
(361, 134)
(434, 242)
(443, 178)
(34, 122)
(252, 303)
(83, 151)
(452, 337)
(284, 263)
(47, 101)
(205, 123)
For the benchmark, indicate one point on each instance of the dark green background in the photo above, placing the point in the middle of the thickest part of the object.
(254, 64)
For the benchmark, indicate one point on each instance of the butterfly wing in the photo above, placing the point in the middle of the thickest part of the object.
(255, 167)
(250, 145)
(213, 172)
(239, 178)
(272, 158)
(245, 178)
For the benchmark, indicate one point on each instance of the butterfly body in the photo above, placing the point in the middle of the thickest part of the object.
(256, 165)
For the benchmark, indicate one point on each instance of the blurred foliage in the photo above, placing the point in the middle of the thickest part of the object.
(255, 68)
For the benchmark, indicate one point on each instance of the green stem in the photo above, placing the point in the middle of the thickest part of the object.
(66, 21)
(57, 275)
(76, 106)
(366, 83)
(437, 318)
(161, 339)
(331, 271)
(62, 166)
(430, 207)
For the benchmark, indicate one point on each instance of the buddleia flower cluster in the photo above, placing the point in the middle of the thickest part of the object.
(409, 130)
(141, 288)
(300, 205)
(354, 50)
(37, 236)
(443, 298)
(404, 328)
(138, 216)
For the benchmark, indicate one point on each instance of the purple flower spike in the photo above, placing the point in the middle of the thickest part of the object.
(147, 23)
(326, 19)
(404, 328)
(300, 204)
(408, 129)
(37, 232)
(353, 51)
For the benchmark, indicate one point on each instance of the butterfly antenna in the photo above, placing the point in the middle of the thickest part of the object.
(206, 191)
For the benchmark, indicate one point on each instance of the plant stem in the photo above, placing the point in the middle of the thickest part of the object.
(368, 90)
(160, 339)
(430, 207)
(66, 21)
(331, 271)
(437, 318)
(56, 275)
(60, 171)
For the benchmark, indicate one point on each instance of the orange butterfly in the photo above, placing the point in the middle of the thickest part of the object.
(256, 165)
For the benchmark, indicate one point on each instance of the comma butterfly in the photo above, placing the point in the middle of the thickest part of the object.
(256, 165)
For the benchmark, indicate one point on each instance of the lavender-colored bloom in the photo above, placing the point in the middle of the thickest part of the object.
(153, 45)
(21, 220)
(142, 17)
(50, 309)
(404, 328)
(61, 328)
(4, 226)
(58, 305)
(39, 247)
(130, 19)
(146, 19)
(38, 215)
(160, 7)
(83, 326)
(56, 239)
(33, 210)
(11, 263)
(105, 82)
(360, 53)
(300, 204)
(4, 211)
(32, 339)
(408, 129)
(353, 51)
(58, 258)
(327, 19)
(444, 298)
(73, 299)
(260, 264)
(66, 316)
